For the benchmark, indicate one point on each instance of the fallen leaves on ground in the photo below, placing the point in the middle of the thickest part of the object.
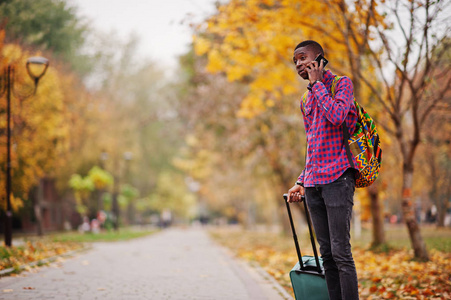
(16, 256)
(387, 275)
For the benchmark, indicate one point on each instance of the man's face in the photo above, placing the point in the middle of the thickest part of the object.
(301, 58)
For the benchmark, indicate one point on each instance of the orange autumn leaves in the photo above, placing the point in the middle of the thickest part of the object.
(391, 275)
(394, 275)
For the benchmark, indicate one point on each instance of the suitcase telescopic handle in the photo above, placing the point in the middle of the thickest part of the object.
(293, 230)
(295, 238)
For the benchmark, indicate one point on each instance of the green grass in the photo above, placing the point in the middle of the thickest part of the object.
(104, 236)
(397, 236)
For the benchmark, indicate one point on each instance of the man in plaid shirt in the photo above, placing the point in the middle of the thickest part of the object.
(328, 180)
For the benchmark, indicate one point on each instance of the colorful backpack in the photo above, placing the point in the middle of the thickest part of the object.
(363, 144)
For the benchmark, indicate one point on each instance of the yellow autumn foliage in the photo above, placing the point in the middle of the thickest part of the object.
(254, 40)
(48, 127)
(37, 124)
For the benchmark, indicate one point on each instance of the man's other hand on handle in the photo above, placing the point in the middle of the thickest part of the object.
(295, 193)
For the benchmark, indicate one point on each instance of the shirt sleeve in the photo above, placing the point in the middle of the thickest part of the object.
(337, 108)
(301, 177)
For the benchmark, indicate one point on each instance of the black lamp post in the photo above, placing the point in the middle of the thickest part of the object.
(36, 68)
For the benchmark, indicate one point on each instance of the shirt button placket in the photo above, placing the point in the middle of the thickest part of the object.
(313, 159)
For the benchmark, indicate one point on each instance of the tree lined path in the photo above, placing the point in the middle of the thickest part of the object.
(173, 264)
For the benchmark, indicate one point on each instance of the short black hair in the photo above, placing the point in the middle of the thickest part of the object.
(315, 46)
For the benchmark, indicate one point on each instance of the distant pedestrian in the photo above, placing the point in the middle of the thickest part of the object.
(166, 218)
(95, 226)
(85, 226)
(328, 180)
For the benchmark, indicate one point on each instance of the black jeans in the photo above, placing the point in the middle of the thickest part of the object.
(330, 207)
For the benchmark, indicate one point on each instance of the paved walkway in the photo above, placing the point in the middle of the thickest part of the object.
(173, 264)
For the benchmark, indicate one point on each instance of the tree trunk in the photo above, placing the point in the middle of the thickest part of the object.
(442, 206)
(377, 216)
(441, 212)
(115, 205)
(408, 212)
(131, 213)
(37, 207)
(100, 200)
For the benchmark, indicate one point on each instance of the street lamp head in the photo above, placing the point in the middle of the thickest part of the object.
(36, 67)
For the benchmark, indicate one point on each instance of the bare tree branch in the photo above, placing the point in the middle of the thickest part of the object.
(377, 94)
(435, 101)
(369, 17)
(395, 11)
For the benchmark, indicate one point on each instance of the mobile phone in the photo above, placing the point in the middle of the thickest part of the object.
(319, 58)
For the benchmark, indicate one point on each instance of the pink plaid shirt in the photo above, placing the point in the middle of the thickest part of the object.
(323, 116)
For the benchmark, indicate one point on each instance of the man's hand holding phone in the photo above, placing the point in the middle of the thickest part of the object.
(315, 69)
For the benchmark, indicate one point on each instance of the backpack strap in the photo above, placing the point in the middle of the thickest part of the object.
(344, 127)
(303, 101)
(334, 84)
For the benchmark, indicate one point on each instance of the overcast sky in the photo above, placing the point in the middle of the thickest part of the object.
(156, 22)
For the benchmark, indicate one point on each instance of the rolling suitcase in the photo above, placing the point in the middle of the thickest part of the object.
(307, 276)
